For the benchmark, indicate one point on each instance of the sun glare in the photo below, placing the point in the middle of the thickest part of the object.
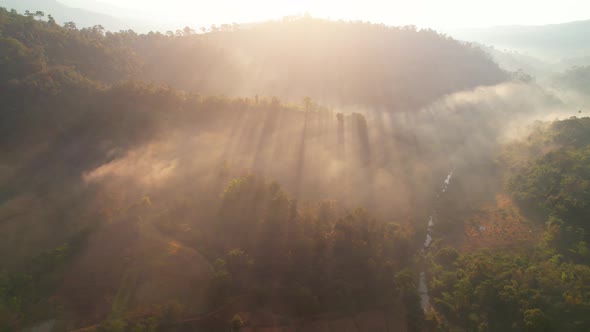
(424, 13)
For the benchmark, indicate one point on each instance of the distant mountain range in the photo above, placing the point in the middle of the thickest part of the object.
(83, 17)
(554, 41)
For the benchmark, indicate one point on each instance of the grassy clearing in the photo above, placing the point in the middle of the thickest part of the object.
(498, 224)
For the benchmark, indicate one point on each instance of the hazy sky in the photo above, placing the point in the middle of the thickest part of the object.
(424, 13)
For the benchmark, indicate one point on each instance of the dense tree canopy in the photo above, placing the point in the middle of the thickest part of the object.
(543, 288)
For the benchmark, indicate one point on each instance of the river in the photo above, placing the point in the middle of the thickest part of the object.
(422, 284)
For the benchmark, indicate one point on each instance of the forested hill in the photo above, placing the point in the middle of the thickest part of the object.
(336, 63)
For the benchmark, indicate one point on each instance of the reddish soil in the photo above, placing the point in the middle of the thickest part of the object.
(498, 224)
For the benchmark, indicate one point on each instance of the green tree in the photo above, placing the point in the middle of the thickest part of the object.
(236, 323)
(535, 320)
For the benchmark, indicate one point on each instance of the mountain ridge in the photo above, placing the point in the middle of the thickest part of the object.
(554, 41)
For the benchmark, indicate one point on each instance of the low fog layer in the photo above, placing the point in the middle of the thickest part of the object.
(386, 162)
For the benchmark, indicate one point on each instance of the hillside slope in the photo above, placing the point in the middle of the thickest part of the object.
(336, 63)
(346, 64)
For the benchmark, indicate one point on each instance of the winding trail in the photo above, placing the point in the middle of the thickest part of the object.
(422, 285)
